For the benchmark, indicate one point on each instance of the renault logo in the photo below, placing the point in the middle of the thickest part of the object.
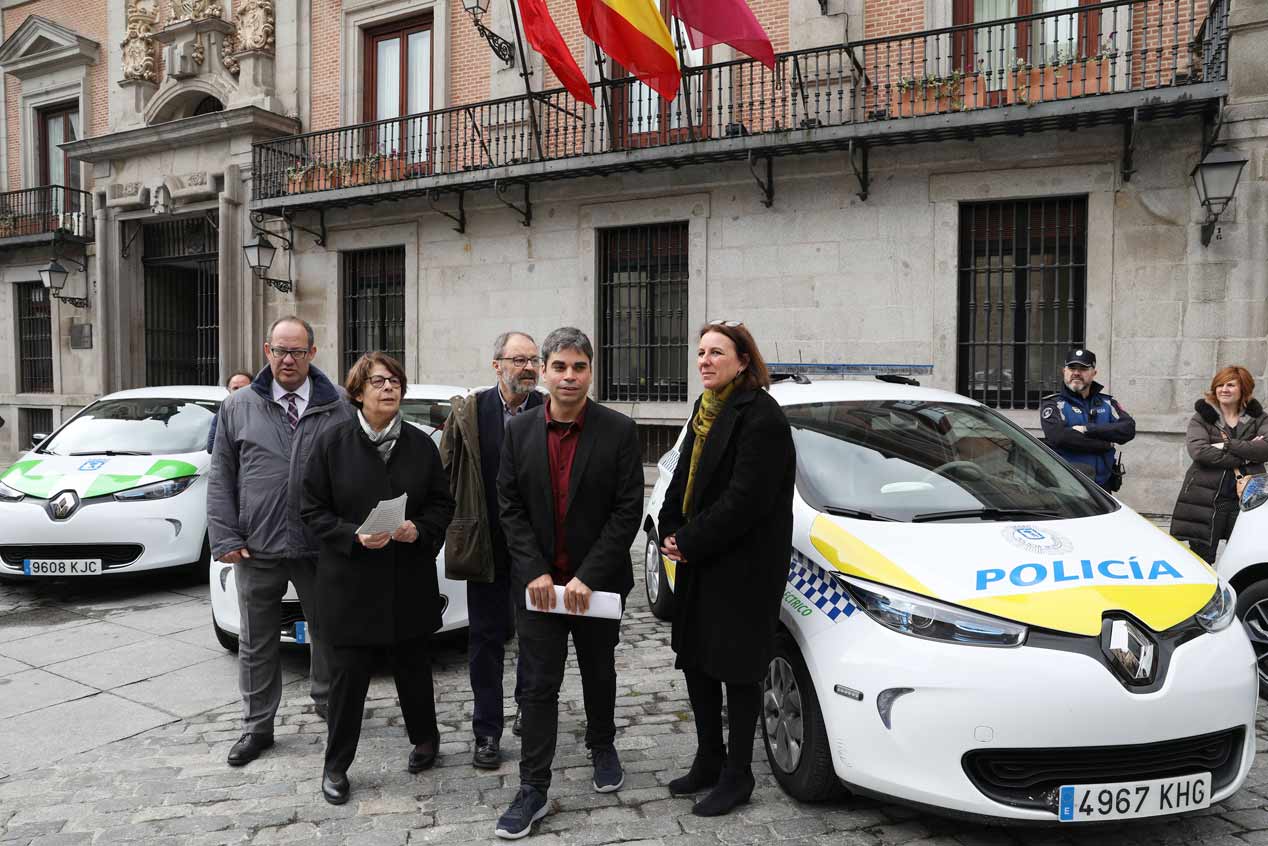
(1130, 651)
(63, 505)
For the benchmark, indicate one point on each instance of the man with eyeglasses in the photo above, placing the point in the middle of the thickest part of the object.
(475, 546)
(264, 433)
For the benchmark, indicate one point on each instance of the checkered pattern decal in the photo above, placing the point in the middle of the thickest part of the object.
(822, 591)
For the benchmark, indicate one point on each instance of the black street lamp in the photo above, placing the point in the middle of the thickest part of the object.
(260, 254)
(54, 278)
(1216, 178)
(502, 48)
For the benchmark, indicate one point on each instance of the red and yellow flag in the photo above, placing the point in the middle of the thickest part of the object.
(634, 34)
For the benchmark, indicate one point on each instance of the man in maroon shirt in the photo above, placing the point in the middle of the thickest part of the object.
(570, 490)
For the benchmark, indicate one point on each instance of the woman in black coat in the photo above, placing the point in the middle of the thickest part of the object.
(1227, 437)
(376, 593)
(727, 520)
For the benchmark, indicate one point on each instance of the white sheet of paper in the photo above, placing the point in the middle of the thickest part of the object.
(602, 604)
(387, 516)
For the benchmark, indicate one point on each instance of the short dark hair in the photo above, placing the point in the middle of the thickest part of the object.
(294, 318)
(499, 343)
(755, 374)
(250, 376)
(359, 373)
(567, 338)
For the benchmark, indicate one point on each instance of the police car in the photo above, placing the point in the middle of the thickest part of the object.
(971, 626)
(425, 406)
(119, 488)
(1244, 563)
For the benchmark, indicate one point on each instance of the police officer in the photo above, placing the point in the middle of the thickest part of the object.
(1082, 423)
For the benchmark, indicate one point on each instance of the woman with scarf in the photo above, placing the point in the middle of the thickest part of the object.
(376, 593)
(727, 522)
(1227, 439)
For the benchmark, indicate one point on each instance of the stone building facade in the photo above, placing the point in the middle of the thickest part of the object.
(958, 189)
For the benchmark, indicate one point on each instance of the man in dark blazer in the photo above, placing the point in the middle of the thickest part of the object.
(475, 550)
(570, 489)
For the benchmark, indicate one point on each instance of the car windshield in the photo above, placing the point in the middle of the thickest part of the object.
(141, 426)
(931, 461)
(427, 414)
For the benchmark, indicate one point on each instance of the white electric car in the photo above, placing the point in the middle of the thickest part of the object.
(1244, 563)
(425, 406)
(119, 488)
(971, 626)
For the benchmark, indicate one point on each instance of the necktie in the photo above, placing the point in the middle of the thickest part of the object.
(292, 412)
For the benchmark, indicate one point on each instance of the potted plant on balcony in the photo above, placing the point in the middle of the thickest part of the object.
(1067, 75)
(389, 167)
(931, 94)
(8, 224)
(313, 175)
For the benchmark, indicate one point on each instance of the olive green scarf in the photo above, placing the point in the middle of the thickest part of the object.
(711, 404)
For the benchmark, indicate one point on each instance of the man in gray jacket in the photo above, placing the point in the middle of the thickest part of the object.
(264, 435)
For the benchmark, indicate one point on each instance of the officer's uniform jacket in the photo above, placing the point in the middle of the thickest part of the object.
(1106, 421)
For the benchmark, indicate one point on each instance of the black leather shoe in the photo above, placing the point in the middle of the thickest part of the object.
(515, 726)
(704, 773)
(733, 788)
(321, 710)
(335, 787)
(487, 754)
(423, 756)
(248, 748)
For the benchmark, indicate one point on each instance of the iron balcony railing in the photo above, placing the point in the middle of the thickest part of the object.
(49, 209)
(1079, 52)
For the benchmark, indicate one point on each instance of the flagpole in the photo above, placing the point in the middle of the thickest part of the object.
(528, 88)
(686, 85)
(603, 86)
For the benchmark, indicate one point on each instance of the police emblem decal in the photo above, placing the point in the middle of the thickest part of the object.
(1038, 541)
(1047, 412)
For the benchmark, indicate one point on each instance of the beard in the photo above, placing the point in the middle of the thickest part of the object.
(517, 386)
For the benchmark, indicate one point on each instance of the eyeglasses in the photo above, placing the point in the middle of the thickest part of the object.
(730, 324)
(522, 361)
(280, 353)
(380, 381)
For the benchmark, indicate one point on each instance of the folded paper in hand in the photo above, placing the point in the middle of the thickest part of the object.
(602, 604)
(387, 516)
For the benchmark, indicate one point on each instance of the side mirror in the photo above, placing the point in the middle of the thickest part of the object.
(38, 438)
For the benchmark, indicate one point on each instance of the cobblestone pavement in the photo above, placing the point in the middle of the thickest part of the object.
(170, 784)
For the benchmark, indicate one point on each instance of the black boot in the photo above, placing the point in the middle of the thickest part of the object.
(734, 788)
(704, 772)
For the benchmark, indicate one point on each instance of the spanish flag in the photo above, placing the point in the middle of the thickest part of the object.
(634, 34)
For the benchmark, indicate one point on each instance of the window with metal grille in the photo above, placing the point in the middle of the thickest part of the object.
(35, 339)
(643, 276)
(182, 302)
(656, 440)
(33, 421)
(1023, 297)
(373, 312)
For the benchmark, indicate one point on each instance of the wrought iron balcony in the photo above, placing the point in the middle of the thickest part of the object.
(34, 215)
(1110, 62)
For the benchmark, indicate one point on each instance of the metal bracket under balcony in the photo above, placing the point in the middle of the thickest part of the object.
(1116, 63)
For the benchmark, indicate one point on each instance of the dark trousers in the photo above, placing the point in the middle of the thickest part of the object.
(491, 620)
(543, 650)
(1223, 519)
(351, 669)
(744, 703)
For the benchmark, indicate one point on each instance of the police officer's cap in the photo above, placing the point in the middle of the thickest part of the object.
(1080, 357)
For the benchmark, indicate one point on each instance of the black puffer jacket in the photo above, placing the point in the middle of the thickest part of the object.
(1192, 518)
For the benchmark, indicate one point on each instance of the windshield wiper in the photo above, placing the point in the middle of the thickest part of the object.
(983, 514)
(110, 452)
(856, 514)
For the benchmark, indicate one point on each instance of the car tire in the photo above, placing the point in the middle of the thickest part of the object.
(660, 597)
(227, 640)
(1252, 610)
(802, 765)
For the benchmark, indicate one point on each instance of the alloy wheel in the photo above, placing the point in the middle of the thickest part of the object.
(781, 709)
(1256, 623)
(651, 562)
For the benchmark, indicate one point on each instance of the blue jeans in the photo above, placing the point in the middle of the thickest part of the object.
(490, 624)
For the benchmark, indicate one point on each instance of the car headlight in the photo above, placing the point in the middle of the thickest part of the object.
(917, 616)
(157, 490)
(8, 494)
(1256, 492)
(1220, 611)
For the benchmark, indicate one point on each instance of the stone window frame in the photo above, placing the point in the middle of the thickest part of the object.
(946, 191)
(362, 15)
(693, 208)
